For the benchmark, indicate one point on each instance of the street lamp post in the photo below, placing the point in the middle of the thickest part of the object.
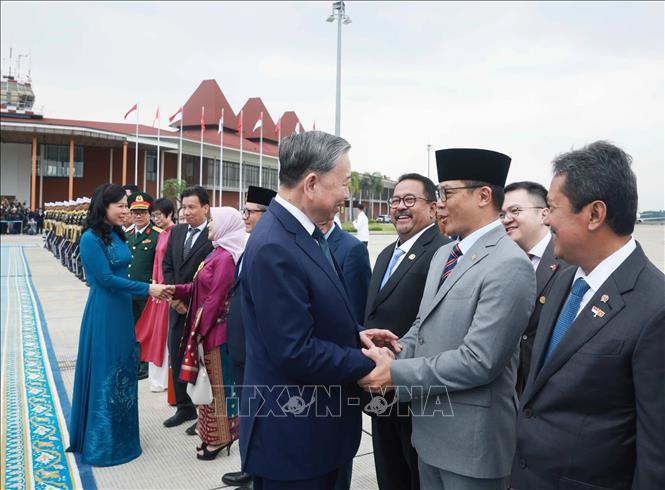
(429, 148)
(339, 14)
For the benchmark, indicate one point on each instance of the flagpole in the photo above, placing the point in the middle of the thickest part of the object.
(182, 116)
(201, 160)
(279, 141)
(136, 150)
(221, 158)
(160, 170)
(240, 189)
(261, 153)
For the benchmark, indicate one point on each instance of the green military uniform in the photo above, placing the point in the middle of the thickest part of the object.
(142, 245)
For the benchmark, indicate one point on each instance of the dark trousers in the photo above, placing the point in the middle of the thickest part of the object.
(325, 482)
(395, 458)
(176, 327)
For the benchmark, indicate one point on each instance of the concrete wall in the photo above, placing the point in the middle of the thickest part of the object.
(15, 161)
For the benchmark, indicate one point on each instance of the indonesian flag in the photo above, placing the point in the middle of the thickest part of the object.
(156, 119)
(278, 126)
(259, 123)
(240, 123)
(221, 122)
(131, 109)
(298, 128)
(203, 125)
(172, 118)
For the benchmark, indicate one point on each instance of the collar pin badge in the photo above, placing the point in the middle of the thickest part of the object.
(597, 312)
(412, 256)
(553, 267)
(604, 298)
(542, 300)
(473, 258)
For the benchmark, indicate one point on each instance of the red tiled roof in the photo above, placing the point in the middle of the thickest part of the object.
(251, 113)
(289, 120)
(208, 95)
(231, 140)
(122, 128)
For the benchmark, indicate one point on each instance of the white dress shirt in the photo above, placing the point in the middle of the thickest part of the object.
(201, 227)
(603, 271)
(361, 224)
(297, 214)
(138, 232)
(539, 249)
(406, 246)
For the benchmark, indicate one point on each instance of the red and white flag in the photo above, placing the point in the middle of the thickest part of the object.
(203, 124)
(156, 119)
(131, 109)
(278, 126)
(298, 128)
(240, 124)
(221, 122)
(172, 118)
(259, 123)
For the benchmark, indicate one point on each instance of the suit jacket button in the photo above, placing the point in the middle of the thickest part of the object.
(525, 337)
(421, 341)
(528, 413)
(522, 463)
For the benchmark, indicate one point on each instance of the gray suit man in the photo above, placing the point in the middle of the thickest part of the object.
(458, 362)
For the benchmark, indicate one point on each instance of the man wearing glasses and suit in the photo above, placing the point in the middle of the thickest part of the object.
(395, 291)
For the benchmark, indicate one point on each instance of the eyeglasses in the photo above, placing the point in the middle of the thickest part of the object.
(246, 212)
(409, 201)
(442, 192)
(515, 211)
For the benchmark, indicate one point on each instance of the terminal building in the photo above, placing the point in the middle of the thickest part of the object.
(45, 159)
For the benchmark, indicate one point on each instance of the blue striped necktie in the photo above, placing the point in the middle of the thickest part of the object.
(397, 253)
(455, 254)
(568, 314)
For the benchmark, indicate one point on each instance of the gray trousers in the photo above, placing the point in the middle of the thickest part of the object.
(433, 478)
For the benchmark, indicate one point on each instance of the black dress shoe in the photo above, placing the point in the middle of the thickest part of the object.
(142, 375)
(180, 417)
(191, 430)
(237, 478)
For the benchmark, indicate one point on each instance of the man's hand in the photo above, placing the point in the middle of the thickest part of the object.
(380, 338)
(179, 306)
(380, 376)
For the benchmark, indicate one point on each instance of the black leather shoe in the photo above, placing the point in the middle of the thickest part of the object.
(237, 478)
(142, 375)
(191, 430)
(180, 417)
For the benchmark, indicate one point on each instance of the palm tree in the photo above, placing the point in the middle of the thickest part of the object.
(364, 185)
(354, 188)
(376, 187)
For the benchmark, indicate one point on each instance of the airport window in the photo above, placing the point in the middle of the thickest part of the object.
(56, 161)
(151, 165)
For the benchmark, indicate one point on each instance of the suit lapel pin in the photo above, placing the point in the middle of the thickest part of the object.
(604, 298)
(473, 257)
(597, 312)
(542, 300)
(553, 267)
(412, 256)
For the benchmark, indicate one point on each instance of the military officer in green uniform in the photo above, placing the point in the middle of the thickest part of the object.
(142, 241)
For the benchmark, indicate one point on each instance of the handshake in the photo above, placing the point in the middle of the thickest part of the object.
(380, 346)
(161, 291)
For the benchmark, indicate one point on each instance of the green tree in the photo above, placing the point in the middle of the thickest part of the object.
(354, 188)
(172, 190)
(376, 187)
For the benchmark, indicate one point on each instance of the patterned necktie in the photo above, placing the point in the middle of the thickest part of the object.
(323, 243)
(455, 254)
(568, 314)
(188, 243)
(389, 271)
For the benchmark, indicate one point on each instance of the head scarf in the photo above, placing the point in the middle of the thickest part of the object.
(228, 231)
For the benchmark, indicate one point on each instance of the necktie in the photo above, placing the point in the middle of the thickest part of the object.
(568, 314)
(397, 253)
(323, 243)
(188, 243)
(455, 254)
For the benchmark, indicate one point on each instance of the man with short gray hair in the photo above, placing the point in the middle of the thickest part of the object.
(301, 331)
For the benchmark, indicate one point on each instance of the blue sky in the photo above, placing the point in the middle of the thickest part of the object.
(530, 79)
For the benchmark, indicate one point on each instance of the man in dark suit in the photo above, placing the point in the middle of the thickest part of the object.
(524, 209)
(591, 415)
(394, 296)
(353, 260)
(301, 418)
(256, 204)
(188, 246)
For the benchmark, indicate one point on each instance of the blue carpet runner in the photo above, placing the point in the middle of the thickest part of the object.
(34, 433)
